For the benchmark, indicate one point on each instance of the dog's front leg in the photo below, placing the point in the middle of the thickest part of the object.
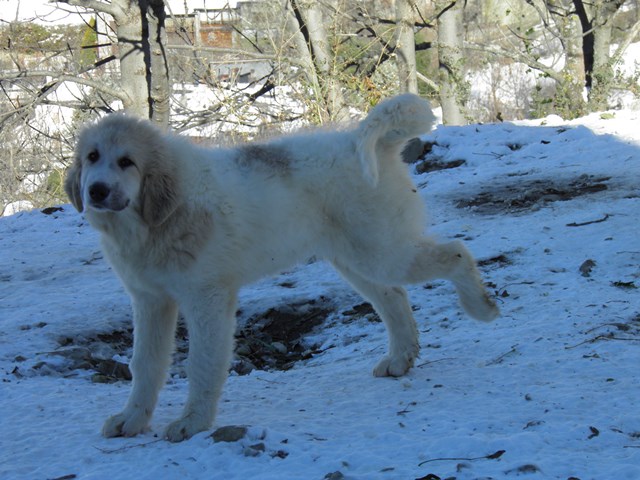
(211, 323)
(154, 321)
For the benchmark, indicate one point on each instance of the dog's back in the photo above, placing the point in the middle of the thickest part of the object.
(313, 193)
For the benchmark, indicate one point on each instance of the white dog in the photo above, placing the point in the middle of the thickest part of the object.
(186, 226)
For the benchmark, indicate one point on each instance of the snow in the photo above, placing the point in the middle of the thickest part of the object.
(549, 390)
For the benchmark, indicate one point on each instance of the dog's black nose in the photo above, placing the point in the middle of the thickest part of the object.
(99, 192)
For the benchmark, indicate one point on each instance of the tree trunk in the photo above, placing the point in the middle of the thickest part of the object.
(406, 46)
(602, 74)
(142, 39)
(143, 62)
(451, 77)
(586, 25)
(311, 26)
(569, 97)
(596, 21)
(158, 77)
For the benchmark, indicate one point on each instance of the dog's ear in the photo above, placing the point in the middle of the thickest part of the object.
(72, 185)
(158, 195)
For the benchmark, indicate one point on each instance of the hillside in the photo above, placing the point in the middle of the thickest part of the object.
(549, 390)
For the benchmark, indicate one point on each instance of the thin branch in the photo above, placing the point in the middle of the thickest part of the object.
(493, 456)
(109, 8)
(98, 85)
(230, 51)
(541, 12)
(604, 336)
(630, 36)
(128, 447)
(518, 57)
(445, 9)
(433, 85)
(600, 220)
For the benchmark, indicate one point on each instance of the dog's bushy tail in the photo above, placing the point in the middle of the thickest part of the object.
(391, 123)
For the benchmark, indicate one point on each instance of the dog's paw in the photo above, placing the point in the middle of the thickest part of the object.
(477, 302)
(474, 298)
(185, 428)
(125, 424)
(488, 309)
(393, 366)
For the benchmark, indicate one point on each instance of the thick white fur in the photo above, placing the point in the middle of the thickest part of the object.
(185, 227)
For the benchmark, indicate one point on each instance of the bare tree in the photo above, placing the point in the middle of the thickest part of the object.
(406, 46)
(141, 50)
(596, 19)
(310, 25)
(43, 79)
(127, 65)
(585, 29)
(580, 32)
(450, 56)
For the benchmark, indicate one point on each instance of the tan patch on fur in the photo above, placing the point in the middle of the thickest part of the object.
(179, 240)
(72, 185)
(264, 157)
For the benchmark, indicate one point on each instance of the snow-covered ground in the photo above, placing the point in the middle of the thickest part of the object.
(549, 390)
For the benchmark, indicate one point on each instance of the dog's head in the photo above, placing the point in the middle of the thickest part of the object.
(122, 163)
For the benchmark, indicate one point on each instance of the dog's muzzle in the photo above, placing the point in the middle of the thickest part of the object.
(103, 197)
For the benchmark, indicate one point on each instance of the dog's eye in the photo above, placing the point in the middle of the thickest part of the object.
(125, 162)
(93, 156)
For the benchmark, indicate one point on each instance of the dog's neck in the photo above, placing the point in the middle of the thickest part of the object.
(125, 237)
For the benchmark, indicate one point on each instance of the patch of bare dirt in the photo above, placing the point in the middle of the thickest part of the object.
(532, 194)
(275, 339)
(426, 161)
(272, 340)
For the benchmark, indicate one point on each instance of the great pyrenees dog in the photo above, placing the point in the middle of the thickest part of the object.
(185, 227)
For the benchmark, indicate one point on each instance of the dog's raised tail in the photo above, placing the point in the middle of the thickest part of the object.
(391, 123)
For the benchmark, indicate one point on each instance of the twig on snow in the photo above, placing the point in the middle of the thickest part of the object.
(493, 456)
(602, 337)
(128, 447)
(435, 361)
(600, 220)
(499, 359)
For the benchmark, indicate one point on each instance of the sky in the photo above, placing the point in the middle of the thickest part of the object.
(38, 10)
(46, 11)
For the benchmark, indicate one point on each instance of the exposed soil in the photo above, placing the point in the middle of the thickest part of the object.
(532, 194)
(275, 339)
(426, 162)
(272, 340)
(512, 198)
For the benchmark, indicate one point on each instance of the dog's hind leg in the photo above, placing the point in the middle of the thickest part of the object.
(392, 304)
(452, 261)
(426, 260)
(154, 319)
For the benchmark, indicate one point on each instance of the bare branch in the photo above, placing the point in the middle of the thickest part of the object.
(518, 57)
(229, 51)
(109, 8)
(629, 37)
(433, 85)
(58, 79)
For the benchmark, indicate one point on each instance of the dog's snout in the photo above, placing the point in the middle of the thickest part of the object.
(99, 192)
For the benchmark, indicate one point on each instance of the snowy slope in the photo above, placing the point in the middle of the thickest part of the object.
(549, 390)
